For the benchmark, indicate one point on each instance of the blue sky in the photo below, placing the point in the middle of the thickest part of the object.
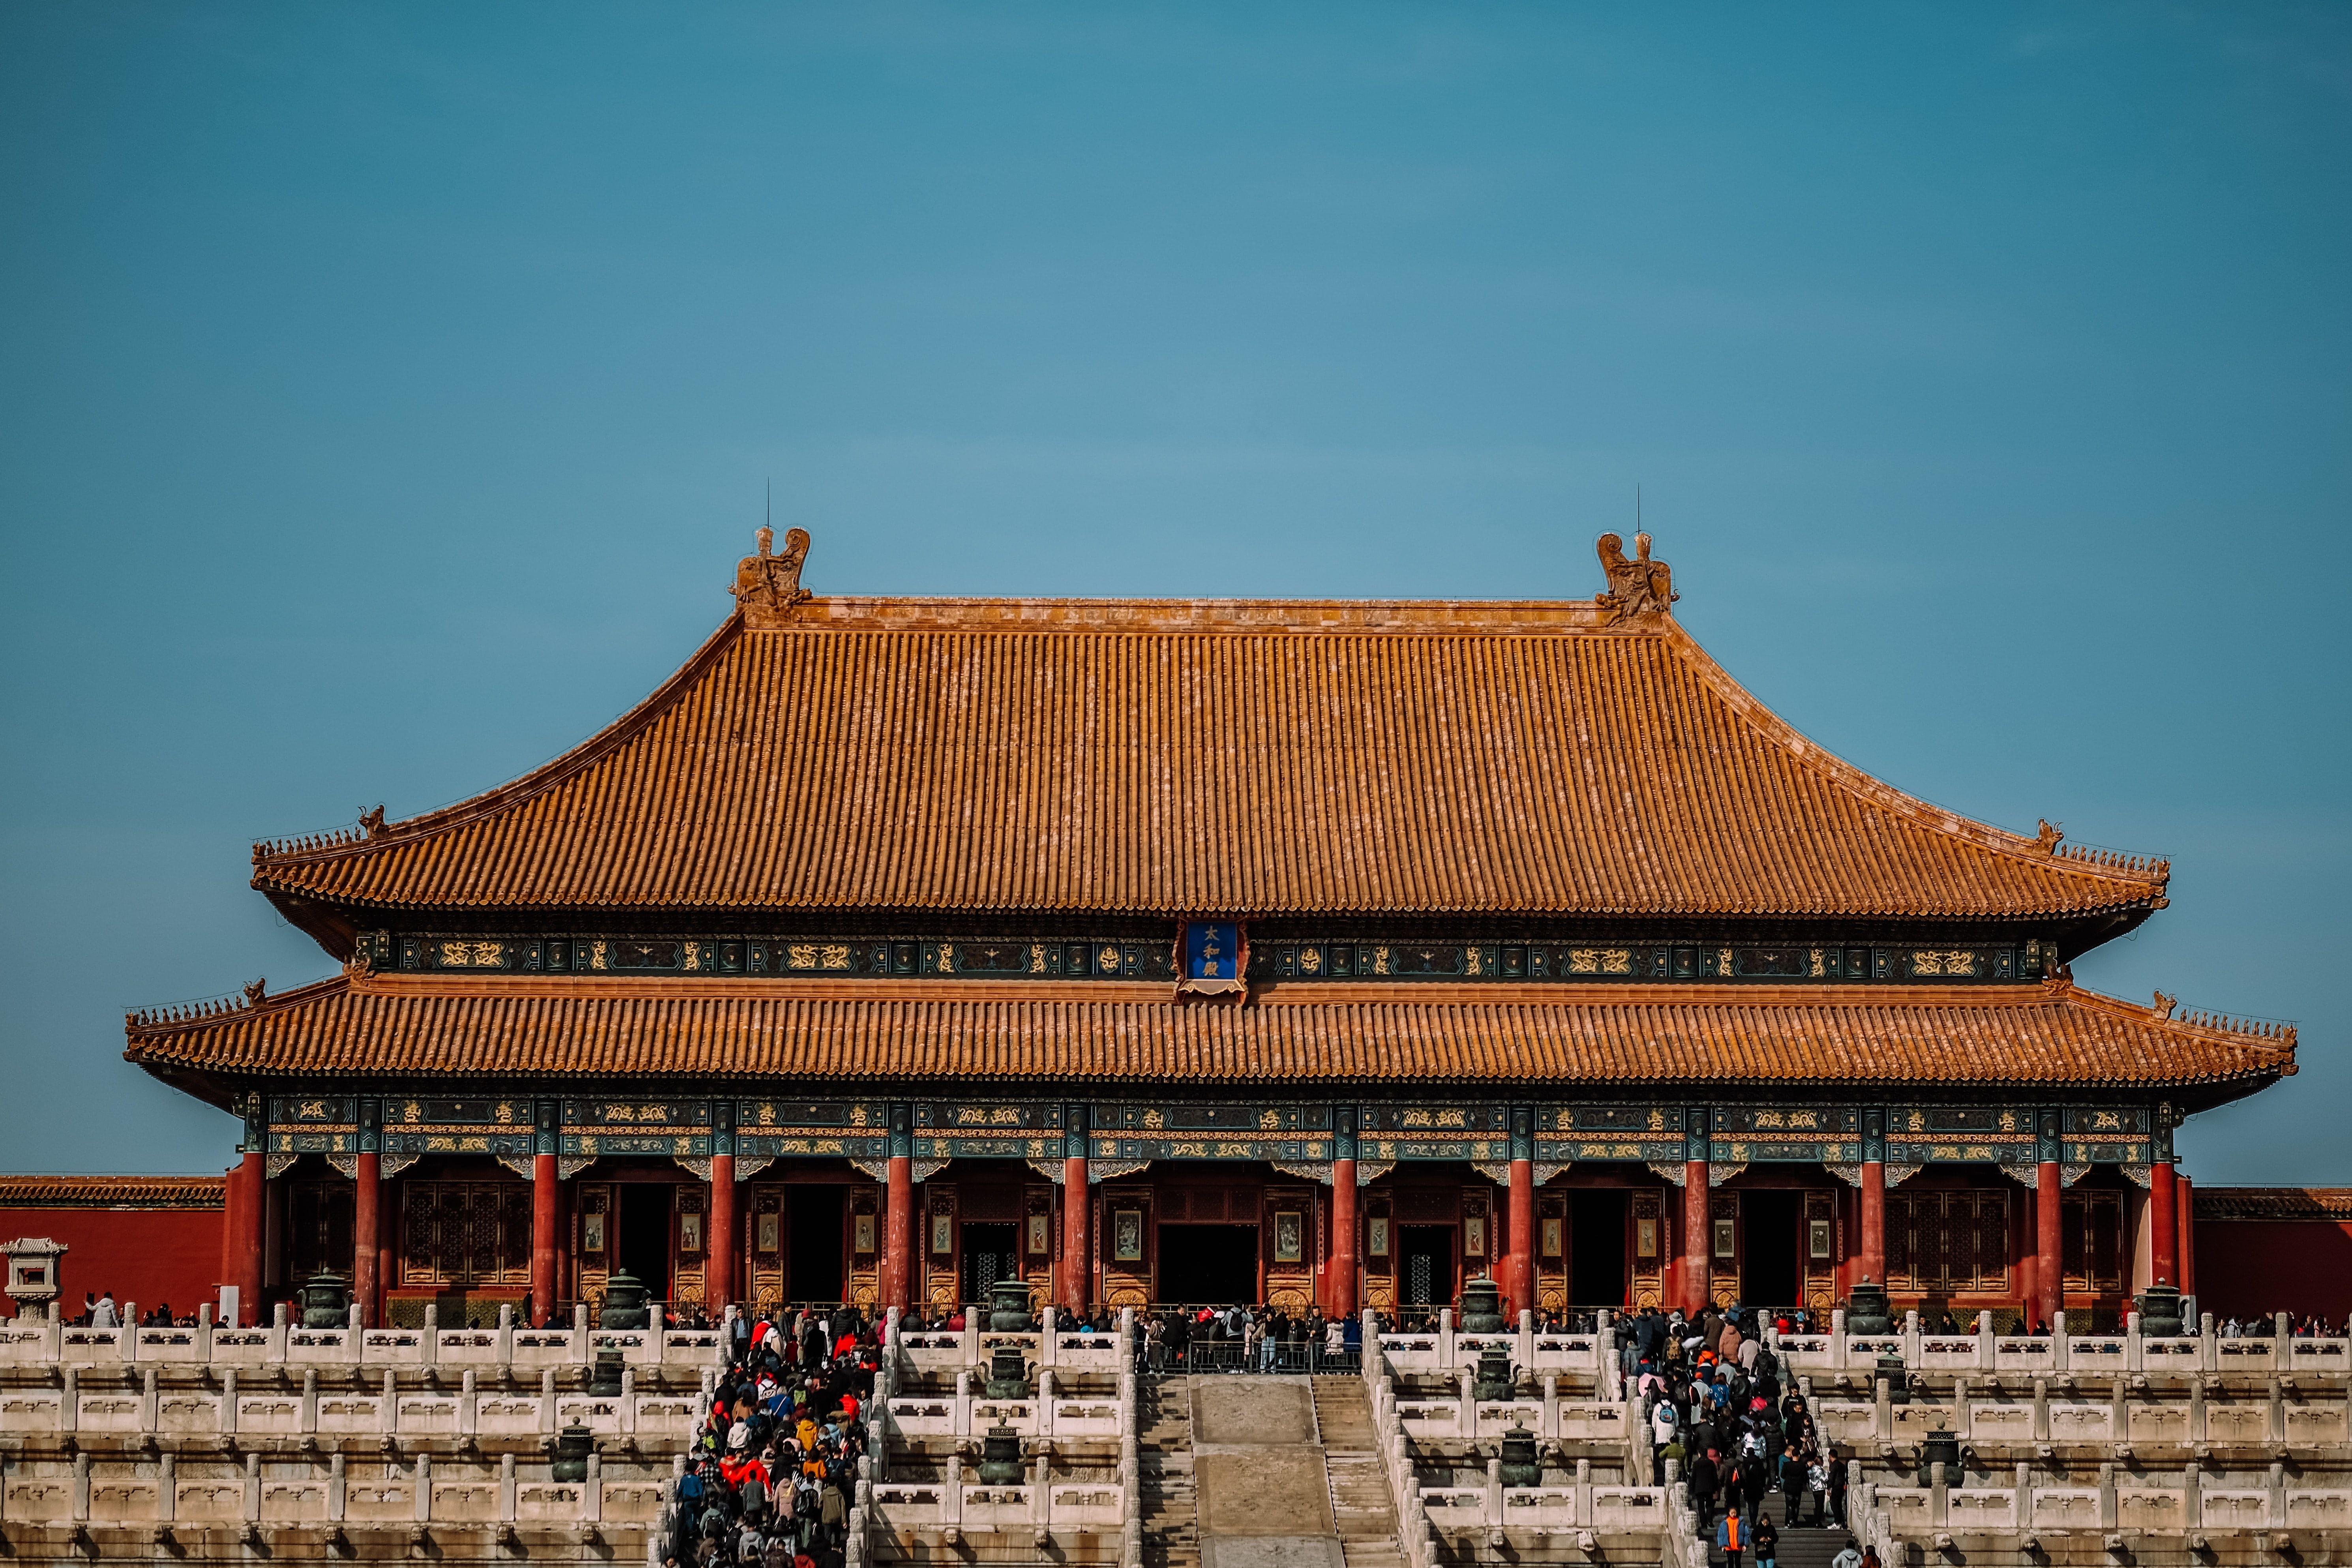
(388, 392)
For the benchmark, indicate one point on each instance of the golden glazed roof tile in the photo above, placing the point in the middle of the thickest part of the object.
(1067, 1032)
(1192, 757)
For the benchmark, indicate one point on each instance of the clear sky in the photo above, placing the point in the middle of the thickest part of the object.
(388, 392)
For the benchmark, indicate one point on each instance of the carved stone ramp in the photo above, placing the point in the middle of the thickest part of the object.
(1360, 1503)
(1263, 1495)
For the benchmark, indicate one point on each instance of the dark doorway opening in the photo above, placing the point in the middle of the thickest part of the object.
(1596, 1240)
(1426, 1265)
(1771, 1273)
(989, 1256)
(644, 1234)
(1211, 1265)
(812, 1221)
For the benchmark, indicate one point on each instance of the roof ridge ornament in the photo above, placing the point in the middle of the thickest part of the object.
(2049, 835)
(1641, 589)
(767, 585)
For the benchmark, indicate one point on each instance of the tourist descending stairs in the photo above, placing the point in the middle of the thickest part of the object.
(1172, 1526)
(1360, 1503)
(1801, 1546)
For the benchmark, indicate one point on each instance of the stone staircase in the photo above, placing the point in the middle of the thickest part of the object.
(1171, 1524)
(1360, 1504)
(1802, 1546)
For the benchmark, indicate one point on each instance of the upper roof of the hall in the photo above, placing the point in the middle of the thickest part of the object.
(1205, 757)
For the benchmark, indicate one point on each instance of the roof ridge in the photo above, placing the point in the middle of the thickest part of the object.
(178, 1017)
(2273, 1032)
(2144, 870)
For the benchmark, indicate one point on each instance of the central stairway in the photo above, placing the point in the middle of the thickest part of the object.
(1360, 1502)
(1171, 1525)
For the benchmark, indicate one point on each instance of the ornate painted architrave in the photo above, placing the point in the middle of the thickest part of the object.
(925, 1169)
(701, 1167)
(1669, 1170)
(1112, 1170)
(2028, 1175)
(2135, 1175)
(1899, 1174)
(750, 1165)
(1850, 1174)
(1319, 1172)
(1370, 1170)
(1716, 1174)
(2069, 1174)
(349, 1165)
(277, 1165)
(570, 1165)
(520, 1164)
(391, 1165)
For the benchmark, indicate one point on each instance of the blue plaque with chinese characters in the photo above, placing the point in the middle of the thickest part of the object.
(1213, 955)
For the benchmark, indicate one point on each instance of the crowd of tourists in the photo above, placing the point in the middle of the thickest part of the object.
(1711, 1392)
(775, 1458)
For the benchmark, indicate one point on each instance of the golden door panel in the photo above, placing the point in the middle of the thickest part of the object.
(1552, 1245)
(1651, 1247)
(1723, 1248)
(865, 1209)
(1819, 1250)
(1379, 1252)
(763, 1219)
(689, 1242)
(939, 1246)
(1287, 1248)
(1126, 1218)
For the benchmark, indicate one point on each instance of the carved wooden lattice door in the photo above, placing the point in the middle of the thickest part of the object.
(1948, 1243)
(2094, 1230)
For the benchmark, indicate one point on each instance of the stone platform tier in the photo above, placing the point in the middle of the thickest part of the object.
(306, 1411)
(680, 1355)
(2118, 1516)
(1074, 1498)
(1984, 1353)
(168, 1508)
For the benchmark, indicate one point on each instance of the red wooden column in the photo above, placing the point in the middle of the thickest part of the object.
(244, 1247)
(1873, 1221)
(1076, 1256)
(1523, 1238)
(1519, 1289)
(722, 1245)
(231, 1204)
(1074, 1282)
(899, 1213)
(546, 1215)
(2050, 1239)
(1699, 1281)
(2185, 1203)
(367, 1187)
(1340, 1284)
(2163, 1226)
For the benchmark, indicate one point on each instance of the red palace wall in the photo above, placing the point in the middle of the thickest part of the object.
(2274, 1249)
(146, 1240)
